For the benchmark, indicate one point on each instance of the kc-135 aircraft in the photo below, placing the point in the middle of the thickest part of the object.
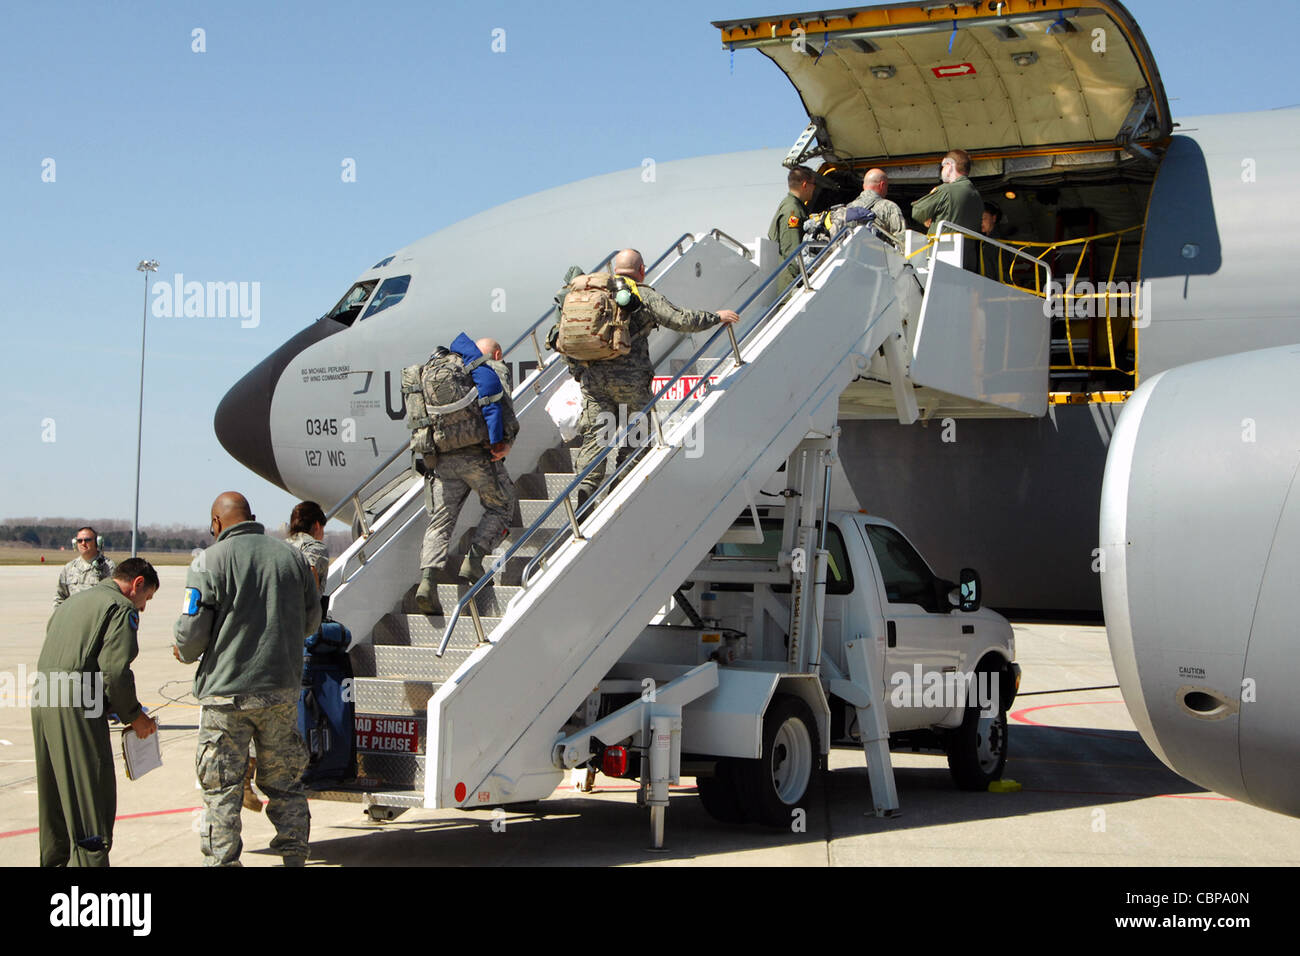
(1171, 243)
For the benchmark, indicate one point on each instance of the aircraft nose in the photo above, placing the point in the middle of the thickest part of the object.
(243, 418)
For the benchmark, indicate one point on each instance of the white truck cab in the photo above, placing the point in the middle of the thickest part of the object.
(943, 666)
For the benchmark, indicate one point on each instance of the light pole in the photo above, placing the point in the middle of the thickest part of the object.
(146, 266)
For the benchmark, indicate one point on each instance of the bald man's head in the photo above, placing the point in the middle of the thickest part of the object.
(489, 348)
(876, 181)
(231, 508)
(629, 263)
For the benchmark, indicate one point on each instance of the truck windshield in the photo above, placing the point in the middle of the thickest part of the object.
(839, 576)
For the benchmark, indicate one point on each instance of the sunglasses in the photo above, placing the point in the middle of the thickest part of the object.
(85, 541)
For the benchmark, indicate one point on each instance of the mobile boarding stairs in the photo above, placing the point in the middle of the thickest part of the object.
(492, 703)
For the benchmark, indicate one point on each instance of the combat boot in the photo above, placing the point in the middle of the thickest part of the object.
(471, 569)
(251, 801)
(426, 596)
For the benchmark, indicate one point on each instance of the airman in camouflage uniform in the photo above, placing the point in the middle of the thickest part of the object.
(787, 225)
(451, 475)
(889, 218)
(250, 600)
(86, 570)
(307, 534)
(614, 390)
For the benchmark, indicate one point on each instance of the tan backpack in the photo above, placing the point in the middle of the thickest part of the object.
(592, 326)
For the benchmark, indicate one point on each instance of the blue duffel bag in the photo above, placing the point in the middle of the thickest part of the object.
(326, 713)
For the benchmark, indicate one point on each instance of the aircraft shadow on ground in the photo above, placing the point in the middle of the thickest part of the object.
(1059, 769)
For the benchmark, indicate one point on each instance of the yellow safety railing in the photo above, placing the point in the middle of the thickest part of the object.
(1109, 300)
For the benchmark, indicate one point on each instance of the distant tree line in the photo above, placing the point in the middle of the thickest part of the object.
(56, 533)
(55, 536)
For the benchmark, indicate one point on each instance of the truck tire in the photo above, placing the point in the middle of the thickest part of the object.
(977, 750)
(772, 787)
(718, 793)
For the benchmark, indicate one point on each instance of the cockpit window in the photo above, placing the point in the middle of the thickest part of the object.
(389, 294)
(350, 305)
(383, 262)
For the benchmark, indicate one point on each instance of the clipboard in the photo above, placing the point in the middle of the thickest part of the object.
(140, 756)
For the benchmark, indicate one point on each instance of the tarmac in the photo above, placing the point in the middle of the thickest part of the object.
(1092, 793)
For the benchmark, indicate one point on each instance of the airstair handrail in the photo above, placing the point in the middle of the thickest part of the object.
(355, 493)
(946, 226)
(644, 414)
(721, 236)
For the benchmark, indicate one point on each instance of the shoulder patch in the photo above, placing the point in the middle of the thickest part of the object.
(793, 222)
(133, 619)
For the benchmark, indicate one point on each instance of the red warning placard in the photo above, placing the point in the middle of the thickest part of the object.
(398, 735)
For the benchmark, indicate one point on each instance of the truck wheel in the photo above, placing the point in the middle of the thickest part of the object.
(977, 750)
(772, 787)
(718, 793)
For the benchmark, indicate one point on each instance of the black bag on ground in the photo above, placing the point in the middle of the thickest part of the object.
(326, 713)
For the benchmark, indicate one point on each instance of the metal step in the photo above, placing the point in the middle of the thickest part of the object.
(392, 696)
(418, 663)
(491, 600)
(366, 794)
(390, 770)
(530, 509)
(552, 483)
(417, 630)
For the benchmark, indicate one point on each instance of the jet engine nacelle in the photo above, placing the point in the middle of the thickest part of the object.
(1200, 537)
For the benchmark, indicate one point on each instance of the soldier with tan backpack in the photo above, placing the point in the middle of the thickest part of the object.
(603, 332)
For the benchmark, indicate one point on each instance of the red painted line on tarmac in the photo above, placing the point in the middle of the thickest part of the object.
(125, 816)
(1126, 793)
(1019, 717)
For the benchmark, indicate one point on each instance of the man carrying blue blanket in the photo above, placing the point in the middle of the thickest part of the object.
(472, 434)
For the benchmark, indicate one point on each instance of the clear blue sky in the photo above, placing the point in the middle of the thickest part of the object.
(225, 166)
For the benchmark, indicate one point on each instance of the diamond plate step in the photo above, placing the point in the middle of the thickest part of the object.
(390, 770)
(393, 697)
(420, 631)
(550, 484)
(366, 793)
(418, 663)
(491, 601)
(530, 509)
